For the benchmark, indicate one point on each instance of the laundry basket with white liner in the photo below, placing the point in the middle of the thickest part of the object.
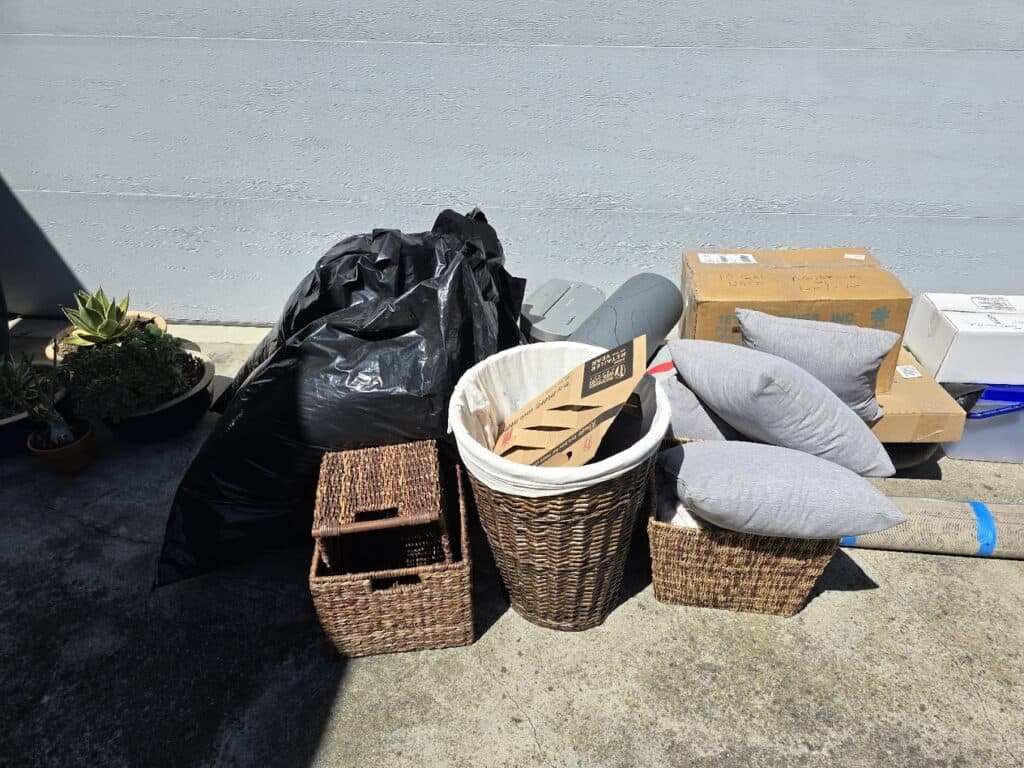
(560, 535)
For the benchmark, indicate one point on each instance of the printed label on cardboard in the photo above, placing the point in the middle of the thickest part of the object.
(607, 370)
(908, 372)
(564, 425)
(993, 303)
(726, 258)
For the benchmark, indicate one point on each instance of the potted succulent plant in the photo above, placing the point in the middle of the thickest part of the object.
(66, 446)
(15, 426)
(145, 385)
(98, 320)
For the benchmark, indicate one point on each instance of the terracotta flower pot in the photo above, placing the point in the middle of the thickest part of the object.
(67, 459)
(15, 430)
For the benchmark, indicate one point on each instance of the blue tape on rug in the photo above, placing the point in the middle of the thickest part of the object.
(848, 541)
(987, 535)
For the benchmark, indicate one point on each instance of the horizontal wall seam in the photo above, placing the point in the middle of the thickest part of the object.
(199, 197)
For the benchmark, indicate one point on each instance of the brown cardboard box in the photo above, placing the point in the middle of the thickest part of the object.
(564, 424)
(840, 285)
(917, 408)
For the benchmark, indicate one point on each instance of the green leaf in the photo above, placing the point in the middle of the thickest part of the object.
(77, 341)
(101, 297)
(91, 319)
(74, 315)
(108, 329)
(123, 306)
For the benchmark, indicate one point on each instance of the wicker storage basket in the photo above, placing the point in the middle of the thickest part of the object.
(385, 577)
(716, 568)
(562, 557)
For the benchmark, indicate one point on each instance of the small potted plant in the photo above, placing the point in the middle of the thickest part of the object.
(66, 446)
(145, 385)
(15, 426)
(97, 320)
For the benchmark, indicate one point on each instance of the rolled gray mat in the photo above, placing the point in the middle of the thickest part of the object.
(645, 305)
(951, 528)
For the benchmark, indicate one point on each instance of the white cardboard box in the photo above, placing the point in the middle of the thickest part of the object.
(968, 338)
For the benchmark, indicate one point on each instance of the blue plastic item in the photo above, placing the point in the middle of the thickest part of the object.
(994, 430)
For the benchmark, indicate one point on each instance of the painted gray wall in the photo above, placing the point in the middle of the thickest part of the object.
(204, 154)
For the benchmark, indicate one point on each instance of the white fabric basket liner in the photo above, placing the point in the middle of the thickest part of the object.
(495, 388)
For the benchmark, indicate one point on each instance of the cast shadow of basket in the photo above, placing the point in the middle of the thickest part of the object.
(490, 598)
(842, 574)
(637, 575)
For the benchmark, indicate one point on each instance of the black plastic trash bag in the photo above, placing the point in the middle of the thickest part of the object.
(366, 352)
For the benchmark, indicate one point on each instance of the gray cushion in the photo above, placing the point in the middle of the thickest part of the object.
(845, 358)
(774, 401)
(690, 418)
(773, 491)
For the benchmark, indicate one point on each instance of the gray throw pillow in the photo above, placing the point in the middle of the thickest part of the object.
(845, 358)
(771, 491)
(691, 420)
(773, 401)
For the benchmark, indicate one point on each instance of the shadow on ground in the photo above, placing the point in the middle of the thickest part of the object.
(226, 669)
(919, 461)
(842, 574)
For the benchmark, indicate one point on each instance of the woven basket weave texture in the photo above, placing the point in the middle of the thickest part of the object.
(715, 568)
(402, 587)
(562, 557)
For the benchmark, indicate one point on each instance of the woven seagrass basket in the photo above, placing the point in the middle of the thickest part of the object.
(562, 557)
(713, 567)
(385, 576)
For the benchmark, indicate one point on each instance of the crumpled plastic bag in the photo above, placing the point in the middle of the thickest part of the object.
(366, 352)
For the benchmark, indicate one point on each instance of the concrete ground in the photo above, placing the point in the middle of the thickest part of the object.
(899, 659)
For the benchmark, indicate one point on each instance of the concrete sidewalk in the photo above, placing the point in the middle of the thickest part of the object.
(899, 659)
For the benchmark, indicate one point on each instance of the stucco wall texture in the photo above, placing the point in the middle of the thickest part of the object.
(203, 153)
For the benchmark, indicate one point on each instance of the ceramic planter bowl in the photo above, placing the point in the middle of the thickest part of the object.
(174, 417)
(51, 348)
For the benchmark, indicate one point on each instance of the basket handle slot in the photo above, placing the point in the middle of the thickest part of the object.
(388, 523)
(391, 582)
(365, 515)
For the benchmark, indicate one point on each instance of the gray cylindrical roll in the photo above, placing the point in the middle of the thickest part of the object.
(645, 305)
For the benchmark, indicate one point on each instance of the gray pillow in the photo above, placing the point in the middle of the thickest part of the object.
(690, 418)
(773, 491)
(774, 401)
(844, 358)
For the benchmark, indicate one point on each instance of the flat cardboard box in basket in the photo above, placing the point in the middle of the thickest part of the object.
(839, 285)
(386, 576)
(715, 568)
(564, 424)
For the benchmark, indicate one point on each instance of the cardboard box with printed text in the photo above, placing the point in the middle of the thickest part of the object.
(965, 338)
(839, 285)
(917, 408)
